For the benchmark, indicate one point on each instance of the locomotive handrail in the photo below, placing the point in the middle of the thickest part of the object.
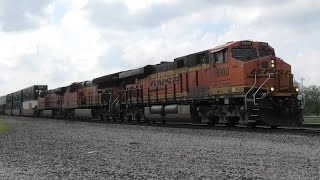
(245, 97)
(254, 95)
(110, 100)
(116, 100)
(111, 104)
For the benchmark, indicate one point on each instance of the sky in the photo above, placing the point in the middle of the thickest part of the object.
(57, 42)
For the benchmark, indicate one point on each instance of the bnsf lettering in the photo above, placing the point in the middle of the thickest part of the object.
(220, 72)
(267, 71)
(162, 82)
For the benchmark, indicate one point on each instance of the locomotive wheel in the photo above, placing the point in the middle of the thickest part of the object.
(105, 118)
(232, 121)
(137, 117)
(251, 125)
(128, 118)
(121, 117)
(211, 124)
(215, 120)
(114, 118)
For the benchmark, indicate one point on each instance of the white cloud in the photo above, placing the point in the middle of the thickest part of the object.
(57, 42)
(54, 54)
(23, 15)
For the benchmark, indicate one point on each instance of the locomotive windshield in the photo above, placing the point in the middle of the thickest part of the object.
(264, 52)
(244, 54)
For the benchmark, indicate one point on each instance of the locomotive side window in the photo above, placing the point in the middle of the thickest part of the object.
(244, 54)
(219, 57)
(180, 63)
(201, 59)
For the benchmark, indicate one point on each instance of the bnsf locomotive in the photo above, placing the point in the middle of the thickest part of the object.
(240, 82)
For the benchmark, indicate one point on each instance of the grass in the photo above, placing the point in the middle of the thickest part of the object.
(4, 128)
(312, 121)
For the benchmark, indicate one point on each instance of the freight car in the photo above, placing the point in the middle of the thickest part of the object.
(24, 102)
(8, 106)
(2, 104)
(240, 82)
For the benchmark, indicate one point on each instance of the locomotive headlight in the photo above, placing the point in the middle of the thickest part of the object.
(273, 65)
(297, 89)
(272, 89)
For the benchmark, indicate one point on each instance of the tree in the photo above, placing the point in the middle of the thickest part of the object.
(312, 100)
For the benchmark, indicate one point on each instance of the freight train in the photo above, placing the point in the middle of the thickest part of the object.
(241, 82)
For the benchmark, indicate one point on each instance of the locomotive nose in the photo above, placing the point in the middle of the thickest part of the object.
(280, 116)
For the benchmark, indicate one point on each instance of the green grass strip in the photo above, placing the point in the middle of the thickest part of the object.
(311, 121)
(4, 128)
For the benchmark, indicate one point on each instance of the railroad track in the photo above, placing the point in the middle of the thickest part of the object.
(303, 129)
(266, 129)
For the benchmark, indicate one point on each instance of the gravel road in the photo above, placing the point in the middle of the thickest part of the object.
(58, 149)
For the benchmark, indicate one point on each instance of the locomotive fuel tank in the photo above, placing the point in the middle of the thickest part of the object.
(46, 113)
(172, 113)
(156, 109)
(83, 113)
(171, 109)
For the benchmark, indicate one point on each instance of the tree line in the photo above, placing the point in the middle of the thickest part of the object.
(311, 98)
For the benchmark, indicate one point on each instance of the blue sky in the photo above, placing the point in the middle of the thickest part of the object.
(57, 42)
(59, 10)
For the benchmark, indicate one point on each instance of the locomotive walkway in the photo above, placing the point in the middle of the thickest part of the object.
(35, 148)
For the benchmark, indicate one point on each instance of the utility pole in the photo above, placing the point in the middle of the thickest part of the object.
(301, 80)
(302, 91)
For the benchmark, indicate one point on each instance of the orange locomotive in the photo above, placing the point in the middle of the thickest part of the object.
(239, 82)
(79, 99)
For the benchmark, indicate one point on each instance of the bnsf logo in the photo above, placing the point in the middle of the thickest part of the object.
(267, 71)
(167, 81)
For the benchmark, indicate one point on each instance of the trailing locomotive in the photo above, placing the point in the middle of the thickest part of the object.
(241, 82)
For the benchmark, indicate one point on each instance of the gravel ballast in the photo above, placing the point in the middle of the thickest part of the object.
(36, 148)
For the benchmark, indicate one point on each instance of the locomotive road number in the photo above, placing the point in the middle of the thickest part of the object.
(220, 72)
